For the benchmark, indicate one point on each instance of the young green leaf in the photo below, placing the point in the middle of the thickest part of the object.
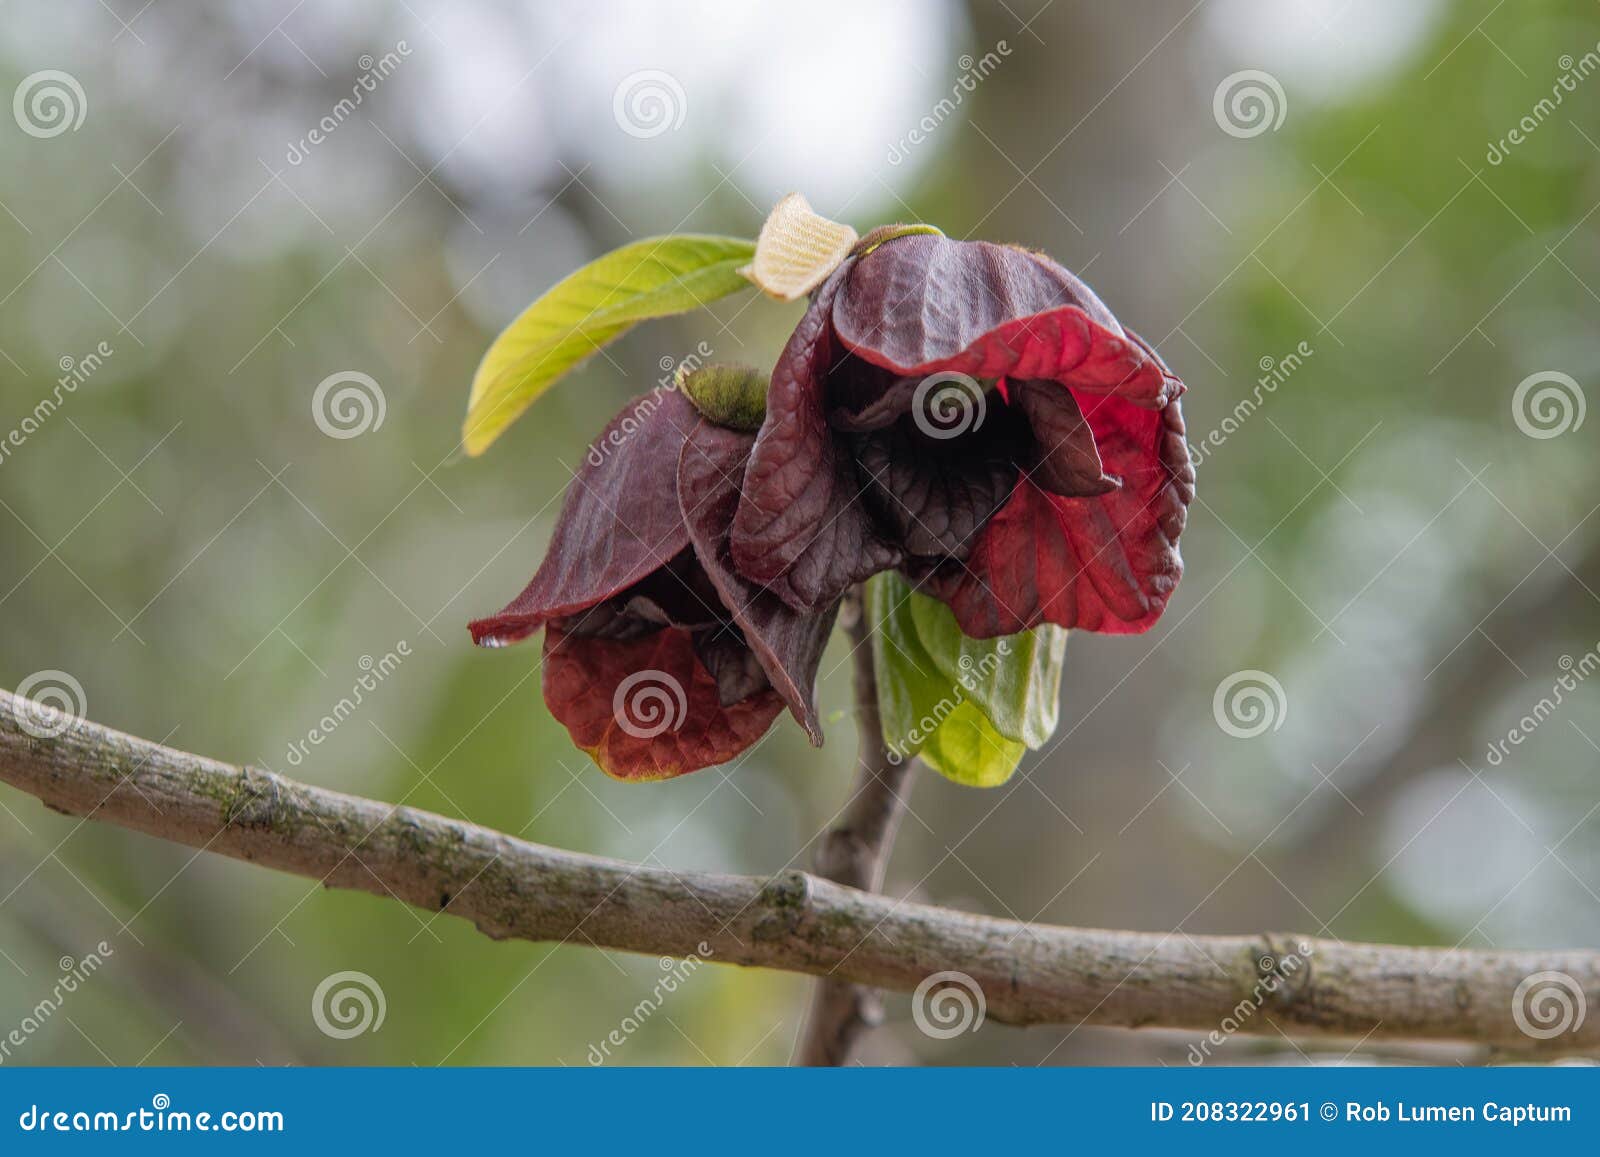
(923, 711)
(595, 305)
(1015, 680)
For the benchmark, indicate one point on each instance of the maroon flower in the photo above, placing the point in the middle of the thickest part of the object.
(658, 657)
(974, 415)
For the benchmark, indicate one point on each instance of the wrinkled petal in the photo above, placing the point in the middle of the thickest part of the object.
(787, 643)
(935, 493)
(925, 304)
(619, 522)
(1064, 458)
(678, 595)
(647, 708)
(799, 529)
(739, 674)
(862, 397)
(1101, 564)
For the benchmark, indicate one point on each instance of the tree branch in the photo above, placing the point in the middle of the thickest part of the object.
(1029, 974)
(856, 853)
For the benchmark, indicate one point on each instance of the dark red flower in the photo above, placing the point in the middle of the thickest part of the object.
(658, 657)
(973, 414)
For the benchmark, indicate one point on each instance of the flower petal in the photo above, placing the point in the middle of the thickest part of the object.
(1107, 563)
(799, 530)
(923, 304)
(935, 494)
(620, 520)
(1065, 460)
(647, 708)
(787, 643)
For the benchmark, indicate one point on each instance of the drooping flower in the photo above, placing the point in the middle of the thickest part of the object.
(659, 658)
(975, 416)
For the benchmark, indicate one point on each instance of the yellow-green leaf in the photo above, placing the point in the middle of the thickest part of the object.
(924, 713)
(656, 277)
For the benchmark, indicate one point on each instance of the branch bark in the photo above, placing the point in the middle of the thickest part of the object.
(1028, 973)
(855, 852)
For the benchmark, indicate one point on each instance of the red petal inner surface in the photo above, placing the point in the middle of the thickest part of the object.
(647, 708)
(1106, 563)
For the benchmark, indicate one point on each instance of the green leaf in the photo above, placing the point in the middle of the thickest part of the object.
(597, 304)
(937, 688)
(1015, 680)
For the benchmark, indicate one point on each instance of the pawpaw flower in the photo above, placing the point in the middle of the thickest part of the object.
(975, 416)
(659, 658)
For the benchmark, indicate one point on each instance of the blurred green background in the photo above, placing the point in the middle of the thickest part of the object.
(1377, 531)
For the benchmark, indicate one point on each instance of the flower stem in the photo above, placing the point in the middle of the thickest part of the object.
(855, 852)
